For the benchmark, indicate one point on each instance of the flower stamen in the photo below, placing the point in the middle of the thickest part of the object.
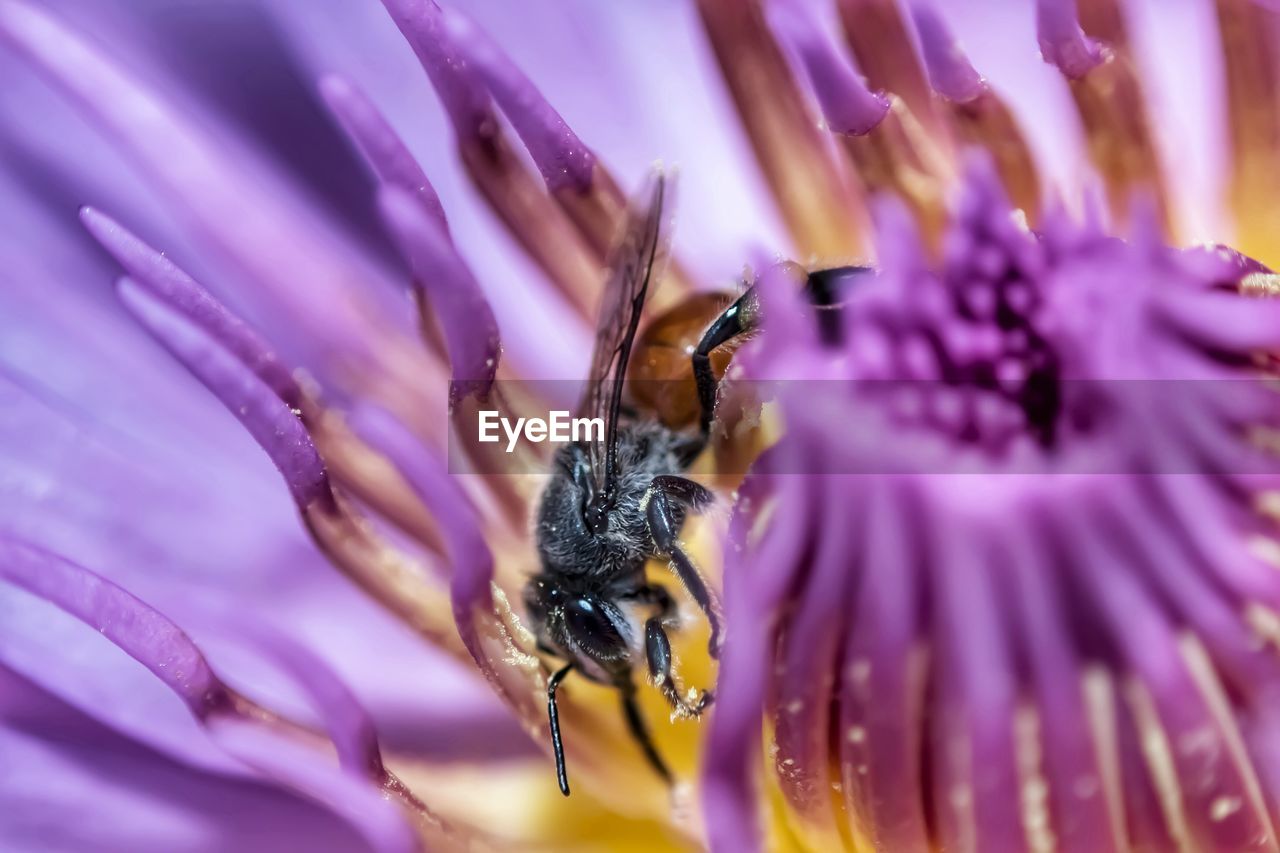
(978, 115)
(399, 582)
(1251, 60)
(515, 195)
(271, 744)
(1109, 99)
(882, 41)
(575, 177)
(818, 201)
(889, 148)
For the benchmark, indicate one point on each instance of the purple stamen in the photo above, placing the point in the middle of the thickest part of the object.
(881, 685)
(469, 555)
(808, 651)
(1062, 42)
(847, 104)
(381, 146)
(167, 282)
(141, 632)
(379, 817)
(471, 585)
(242, 213)
(1147, 638)
(464, 98)
(975, 684)
(1088, 329)
(1225, 264)
(762, 581)
(559, 154)
(950, 73)
(428, 477)
(347, 723)
(1080, 817)
(471, 332)
(270, 421)
(271, 745)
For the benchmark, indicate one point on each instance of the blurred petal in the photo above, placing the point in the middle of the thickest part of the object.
(266, 239)
(56, 761)
(163, 648)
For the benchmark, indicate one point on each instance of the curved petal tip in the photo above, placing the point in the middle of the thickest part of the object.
(167, 282)
(950, 73)
(471, 331)
(848, 106)
(560, 155)
(269, 420)
(1062, 42)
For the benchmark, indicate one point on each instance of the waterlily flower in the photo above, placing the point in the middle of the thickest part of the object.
(995, 541)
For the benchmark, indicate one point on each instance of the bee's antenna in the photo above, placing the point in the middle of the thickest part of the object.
(557, 746)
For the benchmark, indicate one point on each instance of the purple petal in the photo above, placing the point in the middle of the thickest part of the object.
(1062, 42)
(847, 105)
(56, 759)
(422, 24)
(141, 632)
(158, 644)
(250, 220)
(560, 156)
(949, 70)
(270, 421)
(171, 285)
(472, 563)
(471, 333)
(382, 147)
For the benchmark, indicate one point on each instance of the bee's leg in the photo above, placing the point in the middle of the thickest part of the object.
(823, 288)
(658, 650)
(662, 497)
(739, 318)
(553, 714)
(639, 731)
(695, 496)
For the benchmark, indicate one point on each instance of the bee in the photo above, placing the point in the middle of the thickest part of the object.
(611, 505)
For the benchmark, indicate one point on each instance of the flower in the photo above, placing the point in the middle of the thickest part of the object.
(1001, 578)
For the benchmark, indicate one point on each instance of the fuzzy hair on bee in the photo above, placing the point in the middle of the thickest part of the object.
(612, 505)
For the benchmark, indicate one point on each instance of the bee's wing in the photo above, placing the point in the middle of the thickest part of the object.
(634, 262)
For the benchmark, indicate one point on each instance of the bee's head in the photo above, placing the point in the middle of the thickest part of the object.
(578, 623)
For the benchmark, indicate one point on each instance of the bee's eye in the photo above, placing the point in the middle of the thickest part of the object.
(593, 629)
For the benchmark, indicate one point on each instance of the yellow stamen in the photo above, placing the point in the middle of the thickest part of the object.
(1251, 70)
(898, 155)
(986, 122)
(519, 199)
(1121, 145)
